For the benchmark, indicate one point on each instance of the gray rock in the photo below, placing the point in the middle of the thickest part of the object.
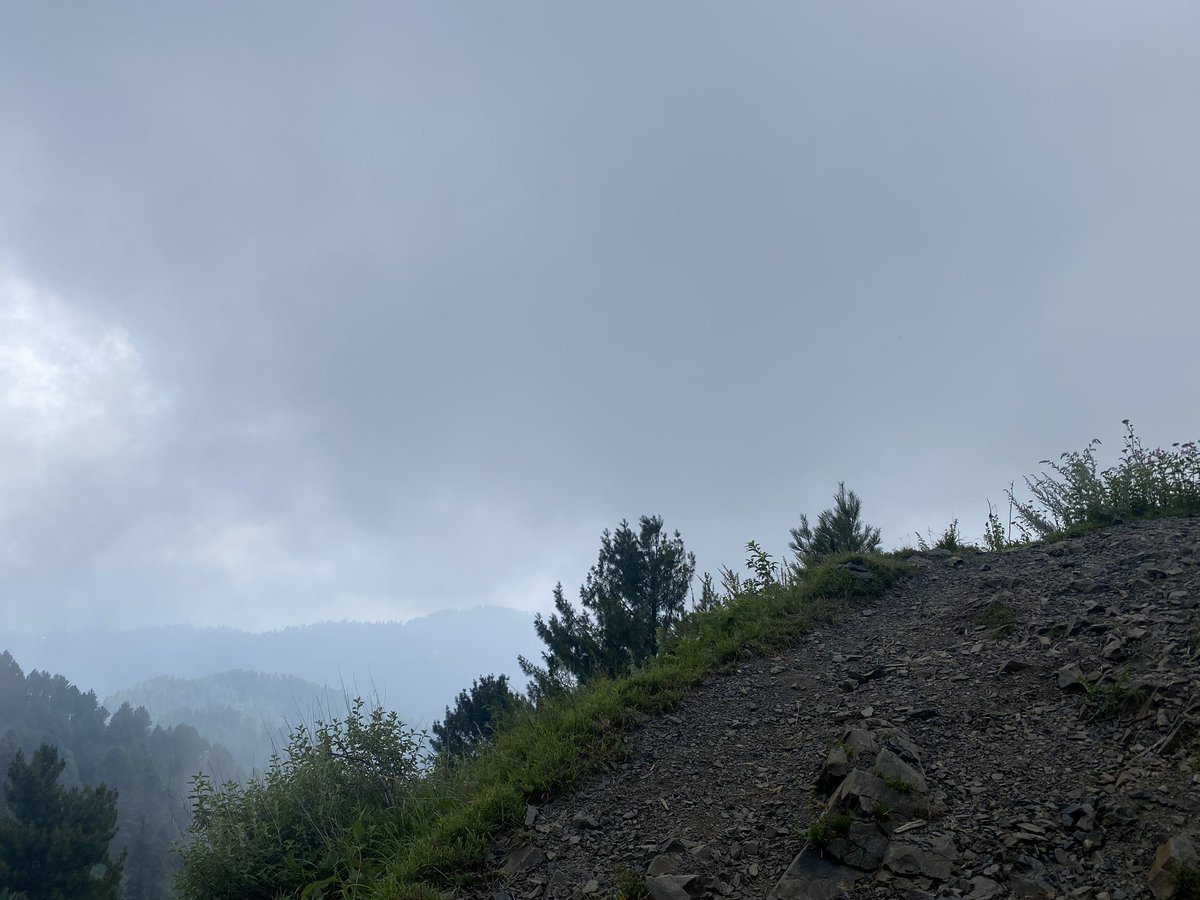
(1176, 853)
(663, 865)
(703, 852)
(1071, 678)
(1029, 887)
(860, 746)
(584, 819)
(892, 768)
(522, 858)
(814, 878)
(933, 857)
(862, 794)
(984, 889)
(671, 887)
(837, 767)
(862, 847)
(1078, 816)
(857, 569)
(900, 744)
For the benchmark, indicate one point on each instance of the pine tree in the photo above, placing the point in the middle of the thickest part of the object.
(638, 585)
(839, 530)
(475, 716)
(54, 842)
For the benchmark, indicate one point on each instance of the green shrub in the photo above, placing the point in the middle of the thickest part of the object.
(1144, 483)
(308, 820)
(950, 539)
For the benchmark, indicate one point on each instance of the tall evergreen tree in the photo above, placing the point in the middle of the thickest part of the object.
(838, 530)
(54, 842)
(638, 585)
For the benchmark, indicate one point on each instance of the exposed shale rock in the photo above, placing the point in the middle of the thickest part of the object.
(1021, 724)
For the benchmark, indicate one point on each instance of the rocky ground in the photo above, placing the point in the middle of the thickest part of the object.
(1044, 703)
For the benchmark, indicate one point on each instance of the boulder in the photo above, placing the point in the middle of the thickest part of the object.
(862, 846)
(837, 767)
(864, 795)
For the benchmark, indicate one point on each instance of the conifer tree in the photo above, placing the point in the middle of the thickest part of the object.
(475, 716)
(54, 842)
(638, 585)
(838, 530)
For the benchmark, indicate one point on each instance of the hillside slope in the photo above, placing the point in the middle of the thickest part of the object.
(1047, 697)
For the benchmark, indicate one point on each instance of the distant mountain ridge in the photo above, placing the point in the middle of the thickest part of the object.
(415, 667)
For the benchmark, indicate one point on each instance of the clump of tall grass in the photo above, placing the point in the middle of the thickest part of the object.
(1077, 494)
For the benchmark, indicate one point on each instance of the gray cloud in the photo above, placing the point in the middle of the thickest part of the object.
(395, 308)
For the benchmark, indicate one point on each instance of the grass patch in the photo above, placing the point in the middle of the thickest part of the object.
(895, 782)
(998, 618)
(1114, 700)
(630, 885)
(823, 831)
(881, 812)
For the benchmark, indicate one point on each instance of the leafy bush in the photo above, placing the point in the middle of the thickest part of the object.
(1144, 483)
(995, 537)
(765, 573)
(309, 814)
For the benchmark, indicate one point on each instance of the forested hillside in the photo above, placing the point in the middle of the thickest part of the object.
(150, 767)
(248, 713)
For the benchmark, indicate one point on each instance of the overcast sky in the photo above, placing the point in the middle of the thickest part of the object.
(314, 311)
